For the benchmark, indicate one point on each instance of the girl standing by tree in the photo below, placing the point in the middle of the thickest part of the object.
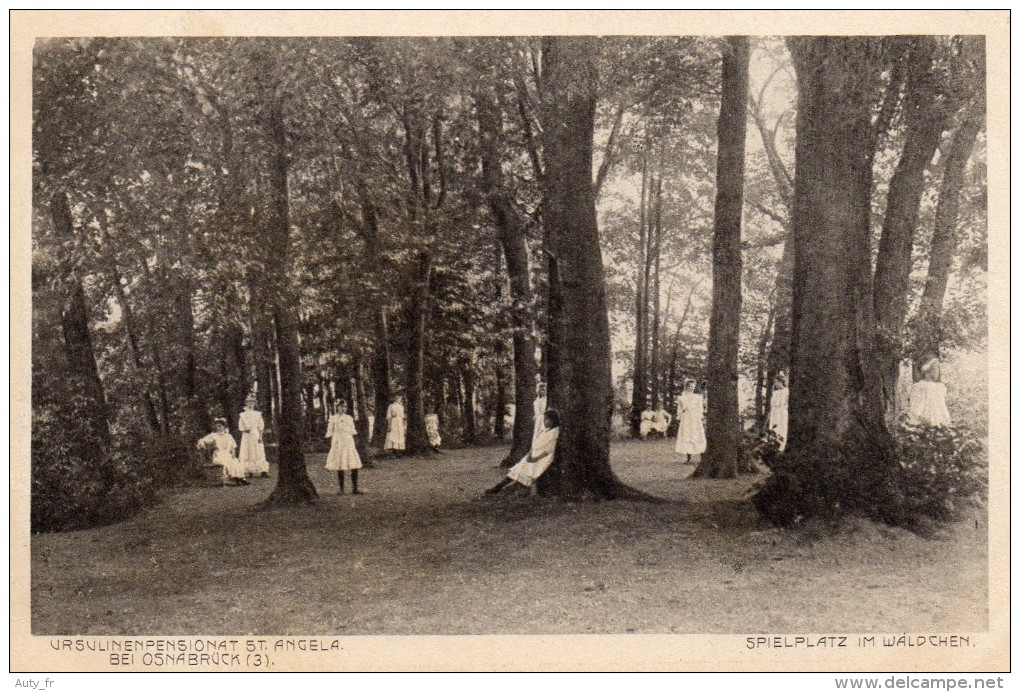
(928, 397)
(343, 453)
(395, 426)
(690, 434)
(253, 453)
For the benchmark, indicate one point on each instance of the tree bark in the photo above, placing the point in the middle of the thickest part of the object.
(925, 123)
(582, 386)
(513, 240)
(639, 394)
(943, 242)
(468, 405)
(131, 329)
(417, 437)
(839, 449)
(654, 374)
(74, 323)
(723, 431)
(293, 485)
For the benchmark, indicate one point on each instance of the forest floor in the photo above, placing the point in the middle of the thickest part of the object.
(422, 553)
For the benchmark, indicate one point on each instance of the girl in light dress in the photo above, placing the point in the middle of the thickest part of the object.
(534, 464)
(928, 397)
(222, 445)
(343, 453)
(690, 434)
(779, 414)
(253, 453)
(540, 404)
(395, 426)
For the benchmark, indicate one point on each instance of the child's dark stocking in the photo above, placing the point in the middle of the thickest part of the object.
(499, 486)
(354, 481)
(340, 480)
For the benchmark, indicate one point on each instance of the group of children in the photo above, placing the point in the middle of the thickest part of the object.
(251, 461)
(927, 406)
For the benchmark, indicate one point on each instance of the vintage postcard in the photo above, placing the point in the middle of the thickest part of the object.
(503, 341)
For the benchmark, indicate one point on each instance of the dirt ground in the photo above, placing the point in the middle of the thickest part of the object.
(422, 553)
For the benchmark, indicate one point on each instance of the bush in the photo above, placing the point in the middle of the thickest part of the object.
(82, 477)
(940, 471)
(933, 473)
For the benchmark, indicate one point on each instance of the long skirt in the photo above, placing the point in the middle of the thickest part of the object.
(252, 455)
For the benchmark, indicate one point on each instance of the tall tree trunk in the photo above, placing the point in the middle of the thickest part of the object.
(779, 350)
(723, 431)
(381, 376)
(513, 240)
(74, 323)
(925, 124)
(131, 329)
(468, 405)
(839, 449)
(762, 369)
(582, 387)
(640, 384)
(417, 436)
(943, 241)
(293, 485)
(197, 420)
(654, 373)
(359, 404)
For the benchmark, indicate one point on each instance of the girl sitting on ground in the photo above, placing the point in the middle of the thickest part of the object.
(543, 449)
(223, 446)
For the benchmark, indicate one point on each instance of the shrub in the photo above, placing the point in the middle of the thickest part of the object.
(932, 474)
(939, 471)
(79, 482)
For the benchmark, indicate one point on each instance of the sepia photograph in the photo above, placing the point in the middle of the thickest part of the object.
(345, 333)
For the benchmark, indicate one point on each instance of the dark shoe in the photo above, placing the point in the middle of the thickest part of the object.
(357, 492)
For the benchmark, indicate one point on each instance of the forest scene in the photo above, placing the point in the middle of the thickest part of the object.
(709, 311)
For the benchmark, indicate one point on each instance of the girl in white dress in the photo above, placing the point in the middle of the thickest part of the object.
(535, 463)
(343, 453)
(690, 434)
(928, 397)
(395, 426)
(252, 454)
(779, 414)
(222, 445)
(540, 404)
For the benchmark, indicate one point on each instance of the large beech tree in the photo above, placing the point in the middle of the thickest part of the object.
(838, 446)
(581, 381)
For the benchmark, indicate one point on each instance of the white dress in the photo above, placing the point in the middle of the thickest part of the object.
(432, 428)
(525, 471)
(343, 454)
(540, 404)
(928, 404)
(661, 421)
(223, 447)
(779, 414)
(690, 434)
(252, 454)
(394, 427)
